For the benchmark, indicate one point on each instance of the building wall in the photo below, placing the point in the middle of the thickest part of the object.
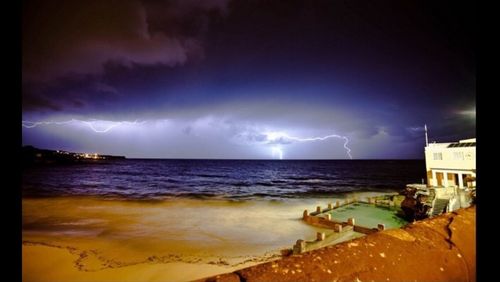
(456, 159)
(451, 158)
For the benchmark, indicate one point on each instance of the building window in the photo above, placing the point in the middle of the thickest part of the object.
(468, 156)
(458, 156)
(438, 156)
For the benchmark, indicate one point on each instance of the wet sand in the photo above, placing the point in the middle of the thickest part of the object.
(49, 263)
(90, 239)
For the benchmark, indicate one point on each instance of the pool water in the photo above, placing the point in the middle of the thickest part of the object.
(368, 215)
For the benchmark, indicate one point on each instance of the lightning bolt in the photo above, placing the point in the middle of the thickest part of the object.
(90, 124)
(278, 151)
(32, 124)
(274, 137)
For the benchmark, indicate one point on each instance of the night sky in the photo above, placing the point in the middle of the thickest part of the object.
(248, 79)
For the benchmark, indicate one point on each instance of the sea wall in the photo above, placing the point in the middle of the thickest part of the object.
(437, 249)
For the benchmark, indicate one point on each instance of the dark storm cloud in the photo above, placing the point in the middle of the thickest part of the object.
(344, 53)
(80, 55)
(61, 37)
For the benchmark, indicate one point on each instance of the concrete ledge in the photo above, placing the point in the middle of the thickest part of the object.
(364, 230)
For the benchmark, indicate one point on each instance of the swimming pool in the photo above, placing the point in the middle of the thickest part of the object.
(368, 215)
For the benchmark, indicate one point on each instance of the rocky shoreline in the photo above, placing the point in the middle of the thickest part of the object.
(442, 248)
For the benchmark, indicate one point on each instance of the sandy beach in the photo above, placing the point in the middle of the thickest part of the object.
(90, 239)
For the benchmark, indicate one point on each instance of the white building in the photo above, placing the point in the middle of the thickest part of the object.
(451, 164)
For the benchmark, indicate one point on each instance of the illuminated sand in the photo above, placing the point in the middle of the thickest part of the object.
(87, 239)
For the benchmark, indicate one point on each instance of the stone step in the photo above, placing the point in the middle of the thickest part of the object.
(439, 206)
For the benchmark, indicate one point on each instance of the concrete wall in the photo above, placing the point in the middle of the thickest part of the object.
(364, 230)
(321, 222)
(447, 192)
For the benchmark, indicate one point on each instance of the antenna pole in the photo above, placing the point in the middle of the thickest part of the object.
(426, 138)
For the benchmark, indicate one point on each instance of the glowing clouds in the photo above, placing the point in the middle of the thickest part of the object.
(469, 113)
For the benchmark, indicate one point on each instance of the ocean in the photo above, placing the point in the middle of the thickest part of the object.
(153, 179)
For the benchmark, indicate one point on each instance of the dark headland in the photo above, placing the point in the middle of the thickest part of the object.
(32, 156)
